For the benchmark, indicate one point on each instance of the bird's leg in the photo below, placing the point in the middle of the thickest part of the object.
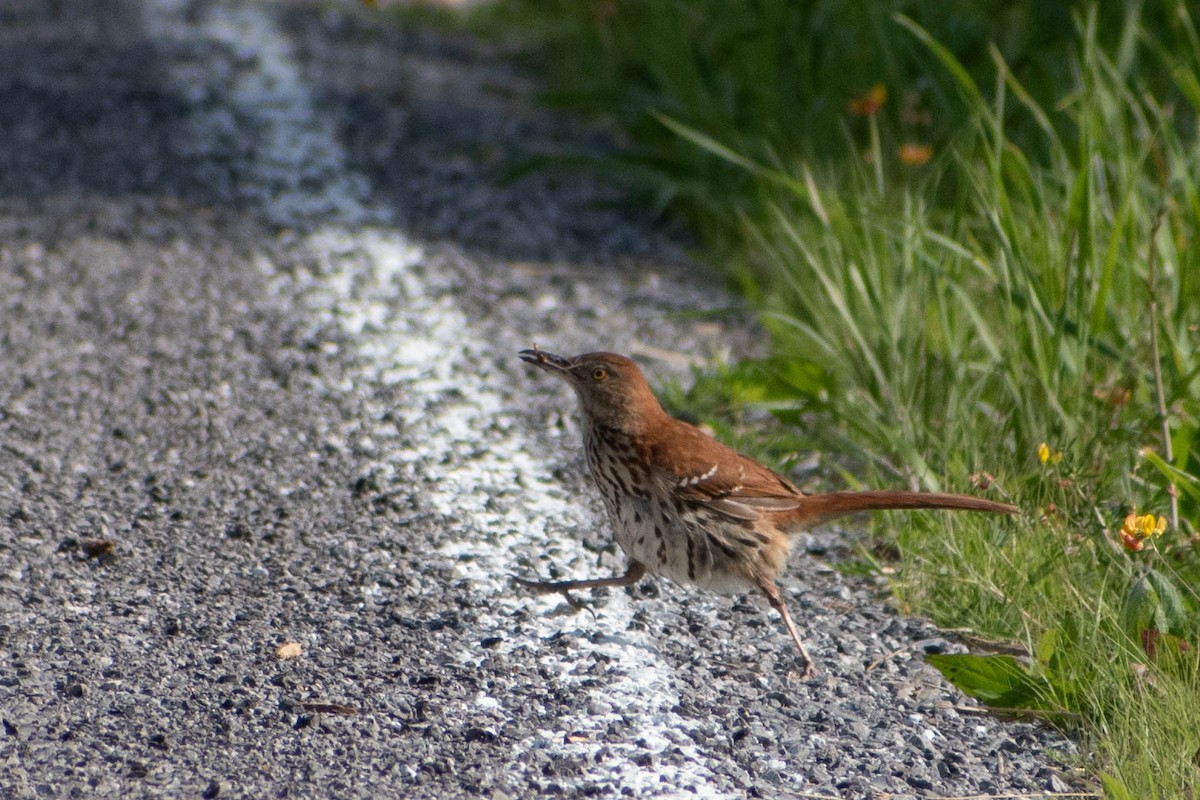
(632, 575)
(775, 598)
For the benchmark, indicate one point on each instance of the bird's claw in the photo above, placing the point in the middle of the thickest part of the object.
(550, 587)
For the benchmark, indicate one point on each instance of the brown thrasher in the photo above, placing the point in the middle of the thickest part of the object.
(685, 506)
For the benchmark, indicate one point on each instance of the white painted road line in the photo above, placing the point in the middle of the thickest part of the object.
(374, 284)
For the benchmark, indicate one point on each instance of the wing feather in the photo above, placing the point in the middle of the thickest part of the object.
(697, 469)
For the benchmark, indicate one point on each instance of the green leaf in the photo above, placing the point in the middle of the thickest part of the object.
(996, 680)
(962, 77)
(1114, 788)
(1047, 646)
(1181, 443)
(1152, 602)
(776, 381)
(1186, 483)
(706, 142)
(1140, 609)
(1174, 613)
(806, 378)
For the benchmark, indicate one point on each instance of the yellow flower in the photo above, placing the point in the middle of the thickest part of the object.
(1137, 528)
(869, 104)
(1144, 526)
(1045, 454)
(914, 155)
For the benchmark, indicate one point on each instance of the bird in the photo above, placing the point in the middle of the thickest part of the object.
(686, 507)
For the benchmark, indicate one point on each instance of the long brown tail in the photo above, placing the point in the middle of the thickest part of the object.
(818, 508)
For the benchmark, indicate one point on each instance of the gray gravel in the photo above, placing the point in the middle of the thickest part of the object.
(261, 289)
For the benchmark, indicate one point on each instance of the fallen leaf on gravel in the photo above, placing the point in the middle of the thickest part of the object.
(330, 708)
(575, 737)
(288, 650)
(95, 548)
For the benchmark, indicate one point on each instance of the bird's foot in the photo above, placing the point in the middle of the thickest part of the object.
(552, 587)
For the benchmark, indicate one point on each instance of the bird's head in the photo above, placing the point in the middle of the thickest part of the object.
(612, 390)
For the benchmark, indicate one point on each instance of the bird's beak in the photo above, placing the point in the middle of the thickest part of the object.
(547, 361)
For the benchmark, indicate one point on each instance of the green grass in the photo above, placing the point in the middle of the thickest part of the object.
(947, 326)
(1038, 280)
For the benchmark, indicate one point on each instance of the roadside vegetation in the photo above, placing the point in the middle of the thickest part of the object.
(971, 230)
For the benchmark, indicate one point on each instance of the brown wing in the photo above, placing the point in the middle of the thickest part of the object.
(696, 468)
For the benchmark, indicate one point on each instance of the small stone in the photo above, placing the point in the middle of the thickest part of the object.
(288, 650)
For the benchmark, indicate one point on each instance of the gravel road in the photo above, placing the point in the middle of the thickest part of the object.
(261, 288)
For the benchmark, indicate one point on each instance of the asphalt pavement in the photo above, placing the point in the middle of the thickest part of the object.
(268, 460)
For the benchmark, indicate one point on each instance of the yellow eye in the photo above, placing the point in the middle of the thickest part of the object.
(599, 374)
